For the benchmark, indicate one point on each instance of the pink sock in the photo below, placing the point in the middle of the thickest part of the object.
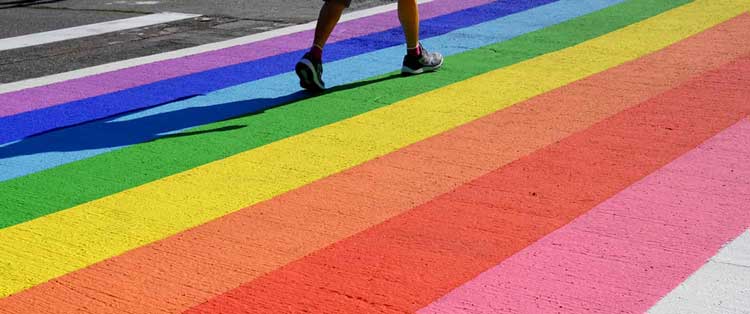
(416, 51)
(316, 53)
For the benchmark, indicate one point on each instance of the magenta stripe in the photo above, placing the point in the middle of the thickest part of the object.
(628, 252)
(62, 92)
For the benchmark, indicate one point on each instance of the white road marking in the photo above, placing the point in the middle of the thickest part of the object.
(721, 286)
(135, 3)
(114, 66)
(91, 30)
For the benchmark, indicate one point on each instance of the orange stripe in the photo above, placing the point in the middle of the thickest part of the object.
(195, 265)
(411, 260)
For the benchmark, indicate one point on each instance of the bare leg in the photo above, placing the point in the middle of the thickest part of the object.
(310, 68)
(417, 60)
(330, 14)
(408, 14)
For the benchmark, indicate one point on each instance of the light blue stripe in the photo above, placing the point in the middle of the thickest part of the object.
(336, 73)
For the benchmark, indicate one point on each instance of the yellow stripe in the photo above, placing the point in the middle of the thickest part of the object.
(51, 246)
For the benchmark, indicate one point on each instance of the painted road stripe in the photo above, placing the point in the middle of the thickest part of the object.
(91, 30)
(368, 194)
(120, 65)
(95, 85)
(411, 260)
(721, 286)
(32, 196)
(49, 150)
(161, 208)
(627, 252)
(28, 123)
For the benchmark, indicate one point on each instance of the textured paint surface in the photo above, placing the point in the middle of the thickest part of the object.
(49, 191)
(635, 247)
(410, 260)
(250, 97)
(173, 204)
(370, 193)
(589, 146)
(71, 113)
(720, 286)
(50, 95)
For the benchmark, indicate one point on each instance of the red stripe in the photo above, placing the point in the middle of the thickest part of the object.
(631, 250)
(263, 237)
(411, 260)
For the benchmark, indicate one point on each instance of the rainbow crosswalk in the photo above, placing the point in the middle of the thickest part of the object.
(572, 156)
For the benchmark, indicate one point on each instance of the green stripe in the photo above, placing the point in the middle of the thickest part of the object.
(56, 189)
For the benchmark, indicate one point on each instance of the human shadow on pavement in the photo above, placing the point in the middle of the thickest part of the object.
(110, 133)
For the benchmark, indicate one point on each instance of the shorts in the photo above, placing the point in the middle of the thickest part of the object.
(345, 2)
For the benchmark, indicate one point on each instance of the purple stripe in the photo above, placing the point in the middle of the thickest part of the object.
(67, 91)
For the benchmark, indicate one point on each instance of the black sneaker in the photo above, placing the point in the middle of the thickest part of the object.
(427, 62)
(310, 73)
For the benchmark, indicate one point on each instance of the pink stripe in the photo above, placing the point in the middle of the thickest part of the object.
(628, 252)
(59, 93)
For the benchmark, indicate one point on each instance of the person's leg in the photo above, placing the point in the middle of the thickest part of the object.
(408, 14)
(310, 68)
(329, 16)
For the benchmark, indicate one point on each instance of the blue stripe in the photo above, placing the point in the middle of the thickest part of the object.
(29, 123)
(80, 142)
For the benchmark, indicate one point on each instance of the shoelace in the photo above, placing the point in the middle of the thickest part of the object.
(427, 57)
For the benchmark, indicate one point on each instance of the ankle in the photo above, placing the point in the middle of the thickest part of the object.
(316, 52)
(416, 51)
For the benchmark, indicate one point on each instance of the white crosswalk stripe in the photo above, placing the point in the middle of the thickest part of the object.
(721, 286)
(114, 66)
(91, 30)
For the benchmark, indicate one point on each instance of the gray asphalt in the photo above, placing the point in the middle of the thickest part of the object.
(295, 11)
(223, 19)
(29, 20)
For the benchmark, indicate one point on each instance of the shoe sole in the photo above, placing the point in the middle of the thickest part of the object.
(409, 71)
(308, 77)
